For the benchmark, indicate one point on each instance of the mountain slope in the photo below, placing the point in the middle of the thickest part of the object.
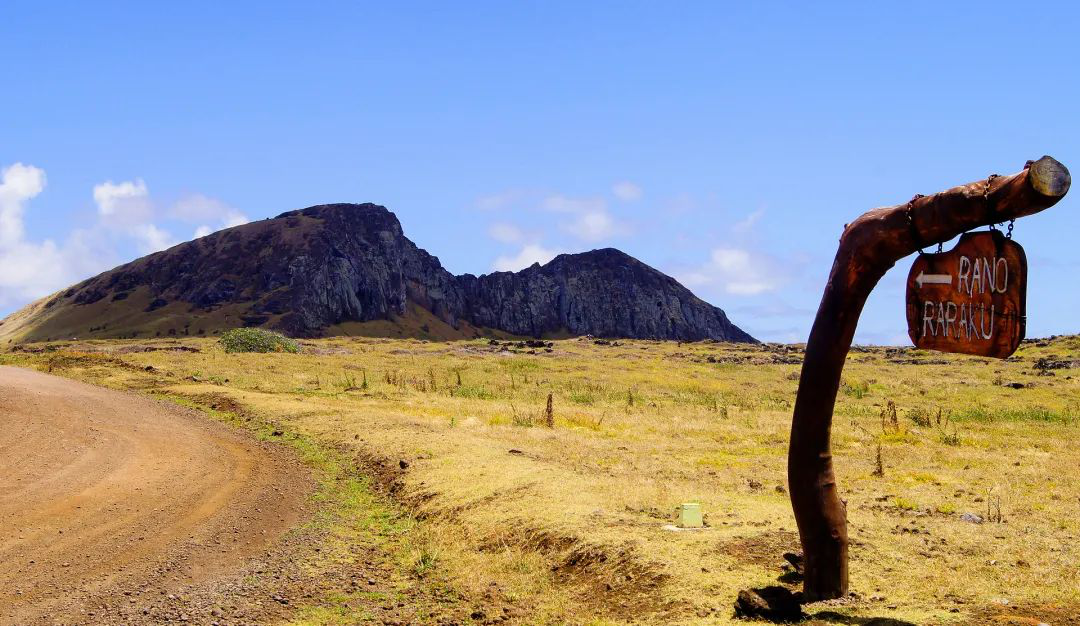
(349, 269)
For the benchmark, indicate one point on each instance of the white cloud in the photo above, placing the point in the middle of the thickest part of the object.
(126, 216)
(230, 219)
(746, 224)
(776, 308)
(505, 233)
(626, 191)
(737, 272)
(30, 269)
(151, 239)
(129, 207)
(18, 184)
(234, 218)
(199, 208)
(498, 201)
(592, 221)
(124, 203)
(529, 254)
(586, 218)
(594, 226)
(565, 204)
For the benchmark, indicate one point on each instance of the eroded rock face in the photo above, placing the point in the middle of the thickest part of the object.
(359, 266)
(605, 292)
(309, 269)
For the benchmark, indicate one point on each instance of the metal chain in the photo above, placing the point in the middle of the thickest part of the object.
(941, 245)
(911, 224)
(986, 199)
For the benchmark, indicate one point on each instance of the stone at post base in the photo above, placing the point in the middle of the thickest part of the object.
(774, 603)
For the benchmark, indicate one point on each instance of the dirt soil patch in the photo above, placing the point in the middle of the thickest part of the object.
(114, 506)
(766, 549)
(1028, 614)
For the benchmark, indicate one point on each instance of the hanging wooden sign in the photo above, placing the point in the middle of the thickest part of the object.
(971, 299)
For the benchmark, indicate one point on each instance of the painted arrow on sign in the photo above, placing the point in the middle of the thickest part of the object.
(933, 279)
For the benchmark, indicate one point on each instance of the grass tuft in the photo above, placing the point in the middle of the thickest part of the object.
(257, 340)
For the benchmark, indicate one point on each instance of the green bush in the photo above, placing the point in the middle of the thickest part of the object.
(256, 340)
(856, 388)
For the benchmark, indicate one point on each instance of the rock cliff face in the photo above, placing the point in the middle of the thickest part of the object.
(307, 272)
(606, 293)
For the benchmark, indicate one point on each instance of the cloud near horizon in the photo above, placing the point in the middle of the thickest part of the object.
(126, 206)
(741, 270)
(531, 253)
(33, 269)
(591, 219)
(504, 232)
(736, 271)
(126, 216)
(586, 219)
(205, 210)
(626, 191)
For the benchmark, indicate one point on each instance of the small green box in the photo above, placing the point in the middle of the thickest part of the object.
(690, 515)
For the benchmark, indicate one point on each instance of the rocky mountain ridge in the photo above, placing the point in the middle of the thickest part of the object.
(318, 270)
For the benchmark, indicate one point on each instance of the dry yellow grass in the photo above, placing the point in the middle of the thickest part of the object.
(568, 521)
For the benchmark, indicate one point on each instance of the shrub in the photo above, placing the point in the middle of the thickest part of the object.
(476, 392)
(904, 504)
(856, 389)
(921, 417)
(256, 340)
(1023, 414)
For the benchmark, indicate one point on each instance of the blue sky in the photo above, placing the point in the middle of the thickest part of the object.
(723, 143)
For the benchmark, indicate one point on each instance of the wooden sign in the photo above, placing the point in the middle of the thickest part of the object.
(971, 299)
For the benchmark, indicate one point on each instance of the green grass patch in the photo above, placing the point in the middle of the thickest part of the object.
(474, 392)
(1008, 414)
(583, 397)
(946, 508)
(905, 505)
(257, 340)
(855, 388)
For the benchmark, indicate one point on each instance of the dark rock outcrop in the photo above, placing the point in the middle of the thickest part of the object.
(605, 292)
(773, 603)
(307, 270)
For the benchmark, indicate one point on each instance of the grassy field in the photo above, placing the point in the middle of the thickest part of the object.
(560, 517)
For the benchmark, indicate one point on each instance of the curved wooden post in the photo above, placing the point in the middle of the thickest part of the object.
(869, 246)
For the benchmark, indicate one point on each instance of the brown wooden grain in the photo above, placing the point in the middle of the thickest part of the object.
(1000, 314)
(869, 246)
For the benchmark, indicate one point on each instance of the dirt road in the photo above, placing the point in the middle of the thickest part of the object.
(109, 499)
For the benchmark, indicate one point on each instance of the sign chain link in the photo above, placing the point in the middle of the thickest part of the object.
(941, 244)
(986, 198)
(915, 236)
